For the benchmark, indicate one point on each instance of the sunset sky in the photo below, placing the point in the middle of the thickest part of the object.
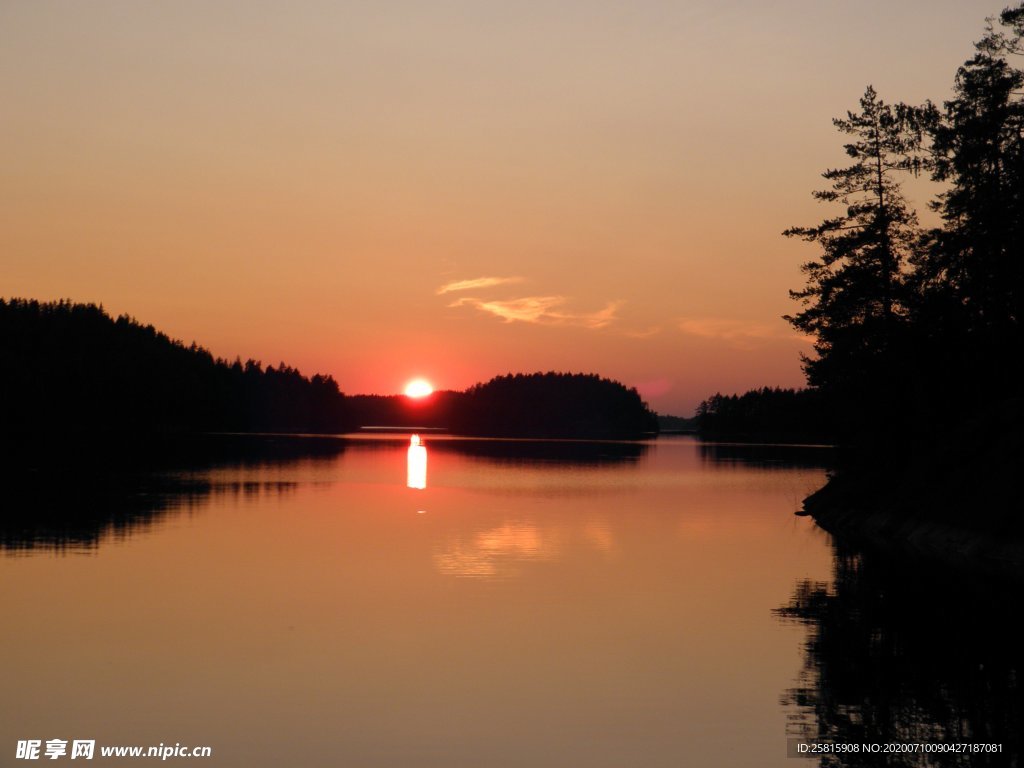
(451, 190)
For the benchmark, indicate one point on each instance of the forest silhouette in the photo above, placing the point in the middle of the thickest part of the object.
(75, 378)
(913, 324)
(917, 341)
(769, 414)
(72, 370)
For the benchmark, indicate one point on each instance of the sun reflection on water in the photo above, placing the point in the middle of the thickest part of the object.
(416, 464)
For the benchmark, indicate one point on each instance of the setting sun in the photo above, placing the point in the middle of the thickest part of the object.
(418, 388)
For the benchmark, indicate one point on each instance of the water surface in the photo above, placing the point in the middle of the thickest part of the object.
(536, 604)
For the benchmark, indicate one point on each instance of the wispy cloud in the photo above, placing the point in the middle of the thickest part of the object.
(643, 333)
(721, 328)
(476, 282)
(737, 332)
(541, 310)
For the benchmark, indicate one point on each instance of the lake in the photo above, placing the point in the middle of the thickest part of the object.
(533, 604)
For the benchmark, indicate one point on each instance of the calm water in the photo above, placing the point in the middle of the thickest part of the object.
(534, 605)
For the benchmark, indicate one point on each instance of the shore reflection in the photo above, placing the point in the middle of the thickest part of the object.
(902, 651)
(75, 508)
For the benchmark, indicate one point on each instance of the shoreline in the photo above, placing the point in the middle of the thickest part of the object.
(922, 523)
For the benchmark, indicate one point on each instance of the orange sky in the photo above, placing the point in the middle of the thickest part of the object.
(454, 190)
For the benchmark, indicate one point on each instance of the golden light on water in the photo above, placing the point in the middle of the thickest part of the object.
(418, 388)
(416, 464)
(497, 552)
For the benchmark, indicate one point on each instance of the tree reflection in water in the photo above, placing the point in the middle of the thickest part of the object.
(74, 507)
(901, 651)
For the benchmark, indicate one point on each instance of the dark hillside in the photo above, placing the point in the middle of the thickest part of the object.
(70, 370)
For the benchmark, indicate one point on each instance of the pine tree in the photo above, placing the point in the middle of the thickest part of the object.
(978, 150)
(854, 300)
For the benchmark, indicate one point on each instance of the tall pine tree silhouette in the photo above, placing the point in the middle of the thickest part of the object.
(854, 302)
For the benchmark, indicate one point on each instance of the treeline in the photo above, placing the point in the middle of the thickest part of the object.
(553, 405)
(670, 424)
(72, 369)
(71, 375)
(767, 415)
(570, 405)
(433, 411)
(916, 328)
(914, 325)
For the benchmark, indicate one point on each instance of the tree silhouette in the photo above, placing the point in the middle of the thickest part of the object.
(854, 300)
(968, 278)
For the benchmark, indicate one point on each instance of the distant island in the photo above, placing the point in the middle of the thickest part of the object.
(553, 405)
(73, 376)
